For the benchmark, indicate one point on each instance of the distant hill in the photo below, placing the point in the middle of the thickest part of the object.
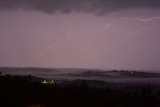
(88, 74)
(119, 74)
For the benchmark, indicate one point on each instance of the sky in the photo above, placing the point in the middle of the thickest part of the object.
(108, 34)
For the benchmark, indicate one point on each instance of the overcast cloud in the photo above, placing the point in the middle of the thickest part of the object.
(78, 6)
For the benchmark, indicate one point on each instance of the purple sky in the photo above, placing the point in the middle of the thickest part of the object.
(97, 34)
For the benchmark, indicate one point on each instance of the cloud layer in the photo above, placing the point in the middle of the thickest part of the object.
(69, 6)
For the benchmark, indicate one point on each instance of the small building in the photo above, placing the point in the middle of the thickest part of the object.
(48, 82)
(52, 82)
(44, 82)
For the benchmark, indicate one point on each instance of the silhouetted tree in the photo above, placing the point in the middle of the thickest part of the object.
(20, 91)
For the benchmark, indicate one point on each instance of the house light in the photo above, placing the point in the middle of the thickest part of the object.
(44, 82)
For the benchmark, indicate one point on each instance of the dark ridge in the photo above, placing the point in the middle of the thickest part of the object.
(28, 91)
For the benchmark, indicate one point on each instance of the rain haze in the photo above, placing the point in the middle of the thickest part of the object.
(108, 34)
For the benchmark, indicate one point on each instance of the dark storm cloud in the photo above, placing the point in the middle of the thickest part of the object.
(68, 6)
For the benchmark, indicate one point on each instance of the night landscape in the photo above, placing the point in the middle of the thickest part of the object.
(79, 53)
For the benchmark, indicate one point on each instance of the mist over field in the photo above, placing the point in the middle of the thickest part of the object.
(113, 76)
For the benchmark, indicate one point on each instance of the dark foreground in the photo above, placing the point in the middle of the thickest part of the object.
(28, 91)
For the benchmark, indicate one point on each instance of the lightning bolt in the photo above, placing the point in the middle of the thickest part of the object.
(107, 26)
(45, 56)
(132, 18)
(49, 46)
(58, 43)
(153, 20)
(146, 19)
